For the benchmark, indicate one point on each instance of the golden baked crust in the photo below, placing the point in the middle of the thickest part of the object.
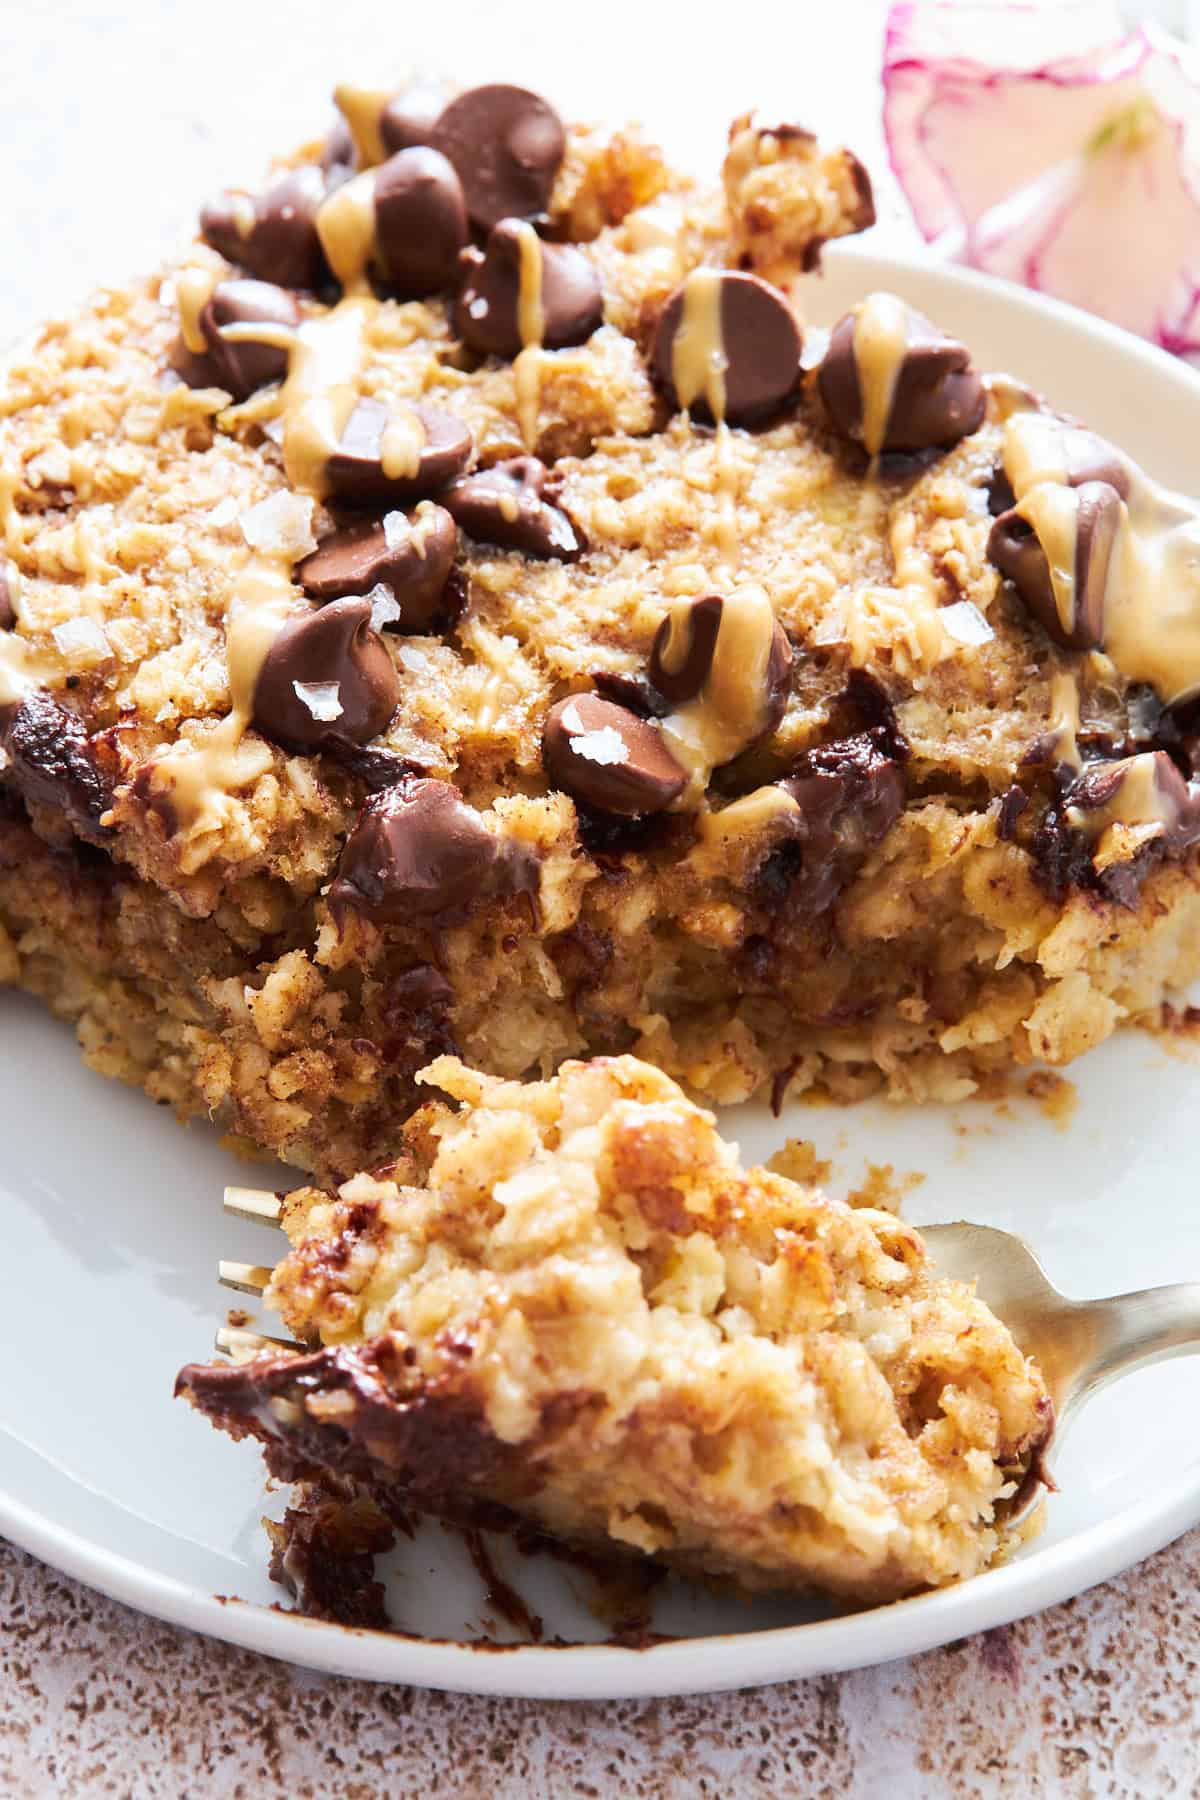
(570, 1299)
(195, 947)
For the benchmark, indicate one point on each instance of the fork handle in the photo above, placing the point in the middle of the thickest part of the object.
(1129, 1330)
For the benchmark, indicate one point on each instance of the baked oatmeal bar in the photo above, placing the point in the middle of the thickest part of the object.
(457, 608)
(568, 1300)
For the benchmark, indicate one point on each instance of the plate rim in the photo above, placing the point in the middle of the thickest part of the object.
(615, 1672)
(715, 1663)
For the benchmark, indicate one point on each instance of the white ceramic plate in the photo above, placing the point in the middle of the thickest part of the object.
(114, 1228)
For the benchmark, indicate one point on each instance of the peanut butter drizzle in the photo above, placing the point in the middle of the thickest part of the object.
(325, 357)
(362, 109)
(717, 833)
(197, 778)
(402, 443)
(1050, 509)
(698, 365)
(1137, 801)
(880, 339)
(241, 206)
(22, 670)
(727, 714)
(1064, 718)
(698, 359)
(193, 291)
(346, 228)
(531, 323)
(325, 361)
(1151, 600)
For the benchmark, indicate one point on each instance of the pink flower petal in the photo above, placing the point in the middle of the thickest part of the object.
(1040, 144)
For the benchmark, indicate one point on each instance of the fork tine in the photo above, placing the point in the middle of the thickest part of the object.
(259, 1205)
(244, 1278)
(240, 1344)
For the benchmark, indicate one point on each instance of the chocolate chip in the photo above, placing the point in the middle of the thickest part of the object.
(487, 311)
(681, 660)
(637, 693)
(327, 675)
(606, 756)
(409, 117)
(936, 399)
(1042, 446)
(1016, 550)
(759, 341)
(52, 762)
(411, 557)
(699, 641)
(849, 793)
(418, 851)
(507, 145)
(430, 447)
(1089, 457)
(420, 221)
(275, 234)
(239, 366)
(339, 158)
(504, 505)
(8, 612)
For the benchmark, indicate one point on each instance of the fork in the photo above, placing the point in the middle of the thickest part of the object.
(1078, 1344)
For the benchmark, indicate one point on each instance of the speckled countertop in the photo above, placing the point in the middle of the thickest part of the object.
(1099, 1697)
(115, 121)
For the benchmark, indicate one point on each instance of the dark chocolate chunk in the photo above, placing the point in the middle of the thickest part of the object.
(8, 612)
(420, 221)
(1014, 547)
(409, 117)
(937, 397)
(849, 795)
(433, 446)
(505, 505)
(507, 145)
(434, 1458)
(52, 762)
(486, 313)
(240, 366)
(411, 557)
(323, 1553)
(1066, 838)
(275, 234)
(327, 675)
(373, 764)
(1013, 802)
(609, 758)
(760, 344)
(419, 851)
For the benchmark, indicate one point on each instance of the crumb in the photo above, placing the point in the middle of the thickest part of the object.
(1057, 1097)
(1177, 1029)
(883, 1189)
(798, 1160)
